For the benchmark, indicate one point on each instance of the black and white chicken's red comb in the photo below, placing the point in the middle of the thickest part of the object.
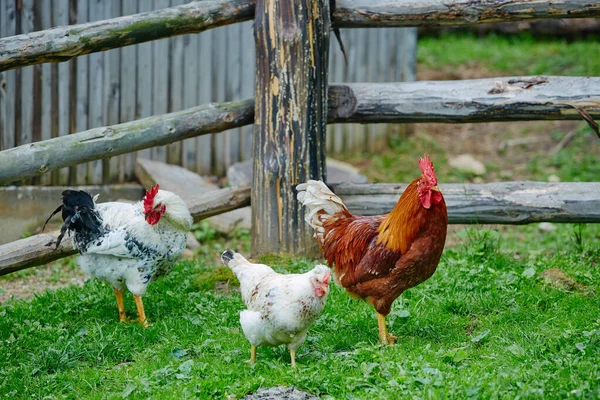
(427, 169)
(149, 199)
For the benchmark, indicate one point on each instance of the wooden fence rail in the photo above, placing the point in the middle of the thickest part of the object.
(468, 100)
(390, 13)
(488, 203)
(480, 100)
(63, 43)
(66, 42)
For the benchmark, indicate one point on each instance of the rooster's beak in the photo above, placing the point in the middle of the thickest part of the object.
(435, 189)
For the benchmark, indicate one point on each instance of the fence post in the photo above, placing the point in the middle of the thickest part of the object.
(292, 51)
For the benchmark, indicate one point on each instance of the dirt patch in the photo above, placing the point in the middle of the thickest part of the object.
(49, 277)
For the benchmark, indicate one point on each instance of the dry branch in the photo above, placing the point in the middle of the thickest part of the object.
(37, 158)
(398, 13)
(490, 203)
(66, 42)
(32, 251)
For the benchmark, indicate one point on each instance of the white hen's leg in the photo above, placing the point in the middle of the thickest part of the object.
(121, 305)
(252, 359)
(293, 356)
(141, 313)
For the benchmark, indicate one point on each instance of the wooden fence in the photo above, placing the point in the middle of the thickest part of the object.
(294, 102)
(121, 85)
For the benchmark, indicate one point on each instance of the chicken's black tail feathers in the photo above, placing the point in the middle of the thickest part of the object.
(227, 256)
(79, 214)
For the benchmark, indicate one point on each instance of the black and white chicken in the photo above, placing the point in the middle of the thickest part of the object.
(280, 308)
(126, 245)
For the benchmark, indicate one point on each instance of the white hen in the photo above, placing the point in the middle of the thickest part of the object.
(127, 245)
(281, 308)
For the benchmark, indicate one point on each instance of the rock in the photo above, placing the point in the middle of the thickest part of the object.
(240, 174)
(173, 178)
(553, 178)
(192, 243)
(546, 227)
(468, 164)
(187, 254)
(561, 280)
(227, 222)
(279, 393)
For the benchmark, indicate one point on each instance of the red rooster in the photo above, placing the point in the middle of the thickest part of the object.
(377, 258)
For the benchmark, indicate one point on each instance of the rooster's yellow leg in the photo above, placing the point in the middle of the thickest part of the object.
(140, 309)
(384, 336)
(121, 305)
(252, 359)
(293, 357)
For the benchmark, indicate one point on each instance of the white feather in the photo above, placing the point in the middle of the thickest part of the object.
(321, 202)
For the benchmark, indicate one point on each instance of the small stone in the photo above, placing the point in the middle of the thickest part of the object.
(187, 254)
(280, 393)
(546, 227)
(468, 164)
(192, 243)
(553, 178)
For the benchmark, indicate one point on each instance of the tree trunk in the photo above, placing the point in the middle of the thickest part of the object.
(292, 52)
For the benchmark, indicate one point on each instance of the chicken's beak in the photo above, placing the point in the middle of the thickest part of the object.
(435, 189)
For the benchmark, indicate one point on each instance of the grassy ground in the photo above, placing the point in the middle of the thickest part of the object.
(484, 326)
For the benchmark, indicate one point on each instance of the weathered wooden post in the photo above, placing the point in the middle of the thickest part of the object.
(292, 51)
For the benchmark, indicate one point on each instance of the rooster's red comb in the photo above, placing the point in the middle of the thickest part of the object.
(149, 199)
(427, 169)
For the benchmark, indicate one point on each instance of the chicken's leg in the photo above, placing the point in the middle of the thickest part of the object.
(121, 305)
(140, 309)
(384, 336)
(252, 359)
(293, 356)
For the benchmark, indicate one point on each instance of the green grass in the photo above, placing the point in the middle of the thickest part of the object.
(483, 326)
(514, 55)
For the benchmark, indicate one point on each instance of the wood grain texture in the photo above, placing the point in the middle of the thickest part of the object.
(469, 100)
(38, 158)
(489, 203)
(65, 42)
(292, 53)
(401, 13)
(33, 251)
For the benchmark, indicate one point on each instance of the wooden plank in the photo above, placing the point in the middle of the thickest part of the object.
(401, 13)
(218, 94)
(145, 94)
(97, 112)
(26, 112)
(34, 160)
(7, 81)
(160, 81)
(232, 90)
(112, 92)
(247, 82)
(81, 89)
(63, 90)
(291, 122)
(489, 203)
(44, 11)
(176, 85)
(128, 94)
(33, 251)
(66, 42)
(204, 144)
(192, 67)
(469, 100)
